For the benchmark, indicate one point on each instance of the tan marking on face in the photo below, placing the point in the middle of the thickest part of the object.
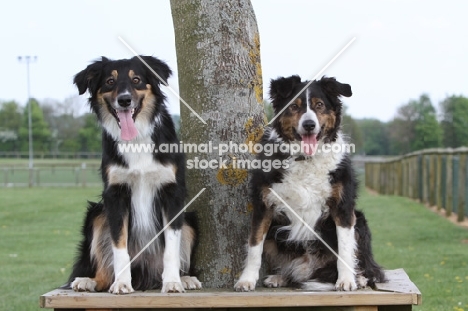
(131, 73)
(327, 118)
(148, 101)
(290, 120)
(298, 102)
(114, 74)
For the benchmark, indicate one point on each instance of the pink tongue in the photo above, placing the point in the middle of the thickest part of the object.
(309, 143)
(128, 130)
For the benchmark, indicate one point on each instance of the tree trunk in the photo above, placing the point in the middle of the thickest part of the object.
(218, 58)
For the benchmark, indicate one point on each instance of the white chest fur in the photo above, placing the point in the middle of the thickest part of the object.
(305, 188)
(144, 176)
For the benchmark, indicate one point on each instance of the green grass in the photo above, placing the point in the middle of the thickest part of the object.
(38, 236)
(39, 231)
(433, 251)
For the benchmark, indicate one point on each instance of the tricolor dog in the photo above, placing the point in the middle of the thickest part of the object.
(300, 210)
(142, 193)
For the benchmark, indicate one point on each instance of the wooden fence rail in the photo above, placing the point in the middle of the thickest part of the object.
(437, 177)
(73, 176)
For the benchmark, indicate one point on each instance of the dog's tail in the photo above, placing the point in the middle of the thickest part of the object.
(316, 286)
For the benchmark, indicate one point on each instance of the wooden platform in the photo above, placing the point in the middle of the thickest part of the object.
(398, 294)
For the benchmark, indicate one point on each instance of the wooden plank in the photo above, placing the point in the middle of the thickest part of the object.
(223, 299)
(398, 291)
(399, 282)
(358, 308)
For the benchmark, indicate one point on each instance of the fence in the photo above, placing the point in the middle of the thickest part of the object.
(437, 177)
(57, 176)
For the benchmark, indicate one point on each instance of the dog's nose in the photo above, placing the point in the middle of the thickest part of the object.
(124, 100)
(308, 125)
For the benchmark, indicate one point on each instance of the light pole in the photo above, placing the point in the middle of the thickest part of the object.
(29, 59)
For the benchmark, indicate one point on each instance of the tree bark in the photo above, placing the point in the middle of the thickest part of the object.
(218, 58)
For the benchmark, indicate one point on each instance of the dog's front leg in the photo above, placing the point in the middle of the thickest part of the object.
(346, 264)
(115, 203)
(261, 220)
(171, 260)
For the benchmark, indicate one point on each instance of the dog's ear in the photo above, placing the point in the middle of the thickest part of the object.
(334, 88)
(88, 79)
(160, 67)
(283, 87)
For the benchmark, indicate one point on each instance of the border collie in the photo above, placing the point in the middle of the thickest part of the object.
(142, 191)
(319, 187)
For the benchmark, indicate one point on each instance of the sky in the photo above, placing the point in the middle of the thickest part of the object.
(401, 48)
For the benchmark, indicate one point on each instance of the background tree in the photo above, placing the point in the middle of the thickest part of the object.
(415, 126)
(454, 113)
(352, 131)
(374, 136)
(90, 135)
(218, 59)
(64, 125)
(40, 130)
(10, 123)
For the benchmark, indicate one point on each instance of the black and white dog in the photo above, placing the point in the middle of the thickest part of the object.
(142, 191)
(315, 193)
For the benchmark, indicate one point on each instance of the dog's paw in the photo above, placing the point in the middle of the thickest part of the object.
(83, 285)
(190, 282)
(274, 280)
(120, 288)
(245, 285)
(172, 287)
(361, 281)
(346, 284)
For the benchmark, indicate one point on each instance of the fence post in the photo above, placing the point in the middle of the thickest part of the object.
(5, 177)
(77, 176)
(433, 176)
(31, 177)
(38, 177)
(449, 190)
(398, 179)
(461, 188)
(455, 182)
(443, 182)
(83, 174)
(466, 185)
(406, 178)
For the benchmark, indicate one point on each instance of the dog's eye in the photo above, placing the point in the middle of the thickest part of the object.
(110, 81)
(318, 105)
(136, 80)
(294, 107)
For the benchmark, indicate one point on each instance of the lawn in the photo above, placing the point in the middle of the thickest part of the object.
(38, 235)
(433, 251)
(39, 230)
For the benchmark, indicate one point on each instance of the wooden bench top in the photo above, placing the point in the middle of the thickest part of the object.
(399, 291)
